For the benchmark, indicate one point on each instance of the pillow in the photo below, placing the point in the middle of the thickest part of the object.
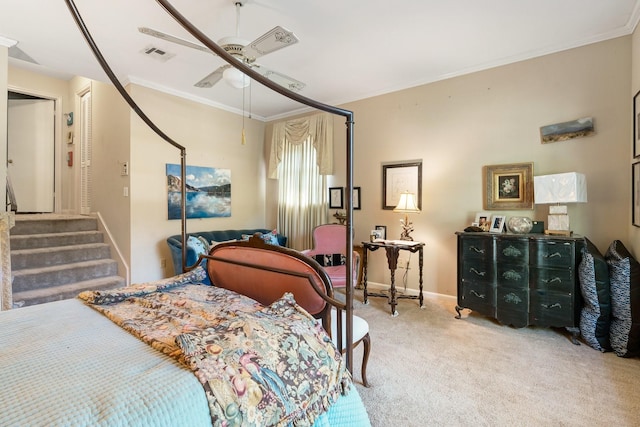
(199, 246)
(270, 238)
(595, 317)
(624, 273)
(330, 260)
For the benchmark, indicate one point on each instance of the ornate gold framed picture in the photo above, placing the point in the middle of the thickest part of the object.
(508, 187)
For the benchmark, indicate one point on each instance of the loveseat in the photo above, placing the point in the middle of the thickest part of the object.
(208, 239)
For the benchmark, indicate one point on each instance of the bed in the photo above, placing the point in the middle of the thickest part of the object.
(70, 363)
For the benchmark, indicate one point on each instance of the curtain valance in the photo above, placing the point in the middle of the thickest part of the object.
(318, 127)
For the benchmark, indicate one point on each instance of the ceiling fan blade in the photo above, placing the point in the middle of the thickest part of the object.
(173, 39)
(212, 78)
(281, 79)
(271, 41)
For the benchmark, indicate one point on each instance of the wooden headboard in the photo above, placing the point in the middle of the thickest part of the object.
(265, 272)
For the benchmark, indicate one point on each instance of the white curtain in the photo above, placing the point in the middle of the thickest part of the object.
(301, 157)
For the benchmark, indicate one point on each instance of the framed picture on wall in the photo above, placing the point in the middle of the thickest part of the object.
(508, 186)
(336, 198)
(636, 125)
(398, 178)
(635, 199)
(356, 198)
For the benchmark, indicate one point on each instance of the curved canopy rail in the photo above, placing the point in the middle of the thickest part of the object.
(347, 114)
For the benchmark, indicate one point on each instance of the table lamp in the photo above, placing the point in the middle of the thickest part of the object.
(406, 206)
(559, 189)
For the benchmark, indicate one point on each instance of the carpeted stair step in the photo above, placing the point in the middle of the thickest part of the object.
(67, 291)
(35, 278)
(44, 257)
(45, 240)
(32, 224)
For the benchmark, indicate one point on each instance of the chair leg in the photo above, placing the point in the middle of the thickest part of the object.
(366, 341)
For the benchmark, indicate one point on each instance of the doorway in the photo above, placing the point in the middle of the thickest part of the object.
(31, 152)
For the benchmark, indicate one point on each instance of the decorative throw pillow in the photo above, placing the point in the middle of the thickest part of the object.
(330, 260)
(624, 272)
(270, 238)
(595, 317)
(198, 246)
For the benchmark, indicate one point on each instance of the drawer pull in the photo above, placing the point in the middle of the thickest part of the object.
(554, 280)
(511, 275)
(476, 250)
(479, 273)
(511, 251)
(477, 294)
(512, 298)
(554, 255)
(556, 305)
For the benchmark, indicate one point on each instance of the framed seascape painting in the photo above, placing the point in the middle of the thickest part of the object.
(508, 186)
(208, 192)
(398, 178)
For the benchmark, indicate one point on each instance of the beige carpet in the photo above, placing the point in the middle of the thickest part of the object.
(429, 369)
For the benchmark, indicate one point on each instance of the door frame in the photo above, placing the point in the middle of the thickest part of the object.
(57, 137)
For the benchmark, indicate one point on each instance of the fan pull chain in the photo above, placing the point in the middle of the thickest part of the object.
(244, 139)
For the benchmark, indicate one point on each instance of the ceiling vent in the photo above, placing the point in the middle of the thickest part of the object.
(157, 54)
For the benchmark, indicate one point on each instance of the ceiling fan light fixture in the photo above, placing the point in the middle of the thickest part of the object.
(236, 78)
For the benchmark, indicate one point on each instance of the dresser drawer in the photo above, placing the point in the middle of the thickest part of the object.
(553, 280)
(553, 253)
(477, 270)
(513, 275)
(477, 247)
(512, 306)
(479, 297)
(513, 251)
(552, 309)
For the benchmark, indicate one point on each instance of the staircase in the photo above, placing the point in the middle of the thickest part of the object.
(55, 257)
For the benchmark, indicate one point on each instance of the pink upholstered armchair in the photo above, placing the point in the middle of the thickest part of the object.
(329, 249)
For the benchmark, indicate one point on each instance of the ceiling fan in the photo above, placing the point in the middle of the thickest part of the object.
(243, 50)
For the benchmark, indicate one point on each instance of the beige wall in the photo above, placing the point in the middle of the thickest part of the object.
(634, 232)
(492, 117)
(212, 138)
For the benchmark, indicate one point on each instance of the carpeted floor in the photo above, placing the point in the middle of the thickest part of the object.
(429, 369)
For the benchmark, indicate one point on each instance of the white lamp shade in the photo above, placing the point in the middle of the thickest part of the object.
(570, 187)
(407, 203)
(235, 78)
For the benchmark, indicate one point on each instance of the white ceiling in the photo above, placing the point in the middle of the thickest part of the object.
(348, 49)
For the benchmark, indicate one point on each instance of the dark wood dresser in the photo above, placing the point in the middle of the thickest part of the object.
(521, 279)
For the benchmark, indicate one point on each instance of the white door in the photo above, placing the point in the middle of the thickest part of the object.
(31, 153)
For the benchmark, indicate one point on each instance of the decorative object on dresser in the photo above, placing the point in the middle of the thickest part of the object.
(406, 206)
(570, 187)
(520, 279)
(392, 250)
(508, 187)
(497, 223)
(519, 224)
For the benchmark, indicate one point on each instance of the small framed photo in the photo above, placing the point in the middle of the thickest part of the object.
(336, 198)
(497, 223)
(375, 235)
(356, 198)
(382, 231)
(483, 220)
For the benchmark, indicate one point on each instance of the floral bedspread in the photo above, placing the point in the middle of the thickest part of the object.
(258, 365)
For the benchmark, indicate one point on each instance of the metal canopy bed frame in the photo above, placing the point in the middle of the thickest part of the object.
(347, 114)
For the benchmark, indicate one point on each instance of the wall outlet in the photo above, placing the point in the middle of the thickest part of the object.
(124, 168)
